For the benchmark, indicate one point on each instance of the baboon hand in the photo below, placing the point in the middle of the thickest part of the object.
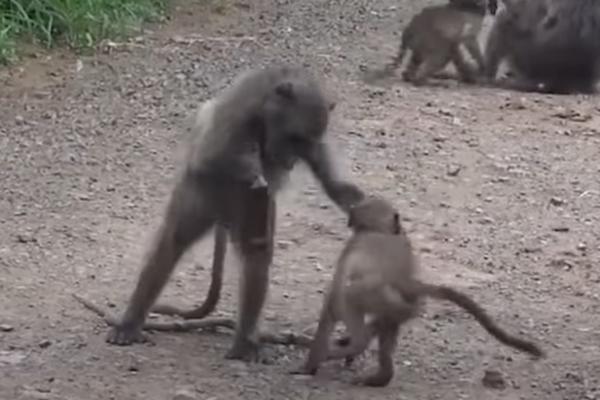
(259, 182)
(125, 336)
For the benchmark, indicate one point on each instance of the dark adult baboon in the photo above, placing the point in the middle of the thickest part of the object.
(245, 142)
(551, 46)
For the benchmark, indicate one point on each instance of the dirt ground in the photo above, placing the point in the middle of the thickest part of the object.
(500, 191)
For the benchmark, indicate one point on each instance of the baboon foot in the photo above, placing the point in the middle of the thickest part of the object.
(407, 77)
(125, 336)
(245, 350)
(377, 379)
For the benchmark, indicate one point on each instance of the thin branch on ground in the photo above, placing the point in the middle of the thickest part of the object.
(287, 339)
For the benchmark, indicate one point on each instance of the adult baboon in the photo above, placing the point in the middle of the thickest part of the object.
(245, 142)
(551, 46)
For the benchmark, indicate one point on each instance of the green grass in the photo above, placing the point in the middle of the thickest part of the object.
(79, 24)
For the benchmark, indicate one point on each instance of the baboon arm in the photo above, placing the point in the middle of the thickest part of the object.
(246, 168)
(343, 193)
(473, 48)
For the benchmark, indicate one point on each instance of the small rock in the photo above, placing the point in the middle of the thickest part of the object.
(6, 328)
(493, 379)
(515, 104)
(34, 394)
(561, 229)
(25, 238)
(453, 170)
(283, 244)
(572, 115)
(557, 201)
(582, 247)
(11, 357)
(184, 394)
(45, 343)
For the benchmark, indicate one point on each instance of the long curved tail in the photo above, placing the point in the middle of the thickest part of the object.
(469, 305)
(216, 282)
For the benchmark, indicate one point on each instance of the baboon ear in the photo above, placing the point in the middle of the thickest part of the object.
(286, 90)
(397, 228)
(332, 105)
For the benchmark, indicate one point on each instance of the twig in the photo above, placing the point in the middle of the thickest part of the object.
(176, 326)
(193, 324)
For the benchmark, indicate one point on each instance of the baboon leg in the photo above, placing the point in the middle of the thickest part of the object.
(187, 219)
(414, 61)
(474, 50)
(433, 63)
(396, 61)
(464, 70)
(360, 335)
(320, 343)
(387, 335)
(254, 243)
(494, 52)
(344, 340)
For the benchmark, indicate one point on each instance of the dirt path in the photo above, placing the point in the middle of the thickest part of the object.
(502, 193)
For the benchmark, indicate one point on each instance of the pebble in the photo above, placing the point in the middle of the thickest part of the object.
(184, 394)
(493, 379)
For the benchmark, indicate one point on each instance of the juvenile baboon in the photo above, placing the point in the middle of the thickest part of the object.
(551, 46)
(245, 142)
(435, 35)
(376, 278)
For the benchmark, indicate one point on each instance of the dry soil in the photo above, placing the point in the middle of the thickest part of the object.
(500, 190)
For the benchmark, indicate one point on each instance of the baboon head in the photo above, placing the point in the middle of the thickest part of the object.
(296, 115)
(374, 214)
(524, 16)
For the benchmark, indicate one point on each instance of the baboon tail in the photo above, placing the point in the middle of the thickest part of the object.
(216, 282)
(465, 302)
(216, 279)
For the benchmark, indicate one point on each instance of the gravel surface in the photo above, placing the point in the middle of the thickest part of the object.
(500, 190)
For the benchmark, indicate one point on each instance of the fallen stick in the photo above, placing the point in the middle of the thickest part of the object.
(286, 339)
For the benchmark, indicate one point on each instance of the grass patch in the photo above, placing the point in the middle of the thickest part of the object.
(79, 24)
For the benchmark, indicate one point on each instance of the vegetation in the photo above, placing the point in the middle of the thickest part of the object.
(78, 24)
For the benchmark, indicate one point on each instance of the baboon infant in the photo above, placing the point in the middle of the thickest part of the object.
(434, 37)
(376, 278)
